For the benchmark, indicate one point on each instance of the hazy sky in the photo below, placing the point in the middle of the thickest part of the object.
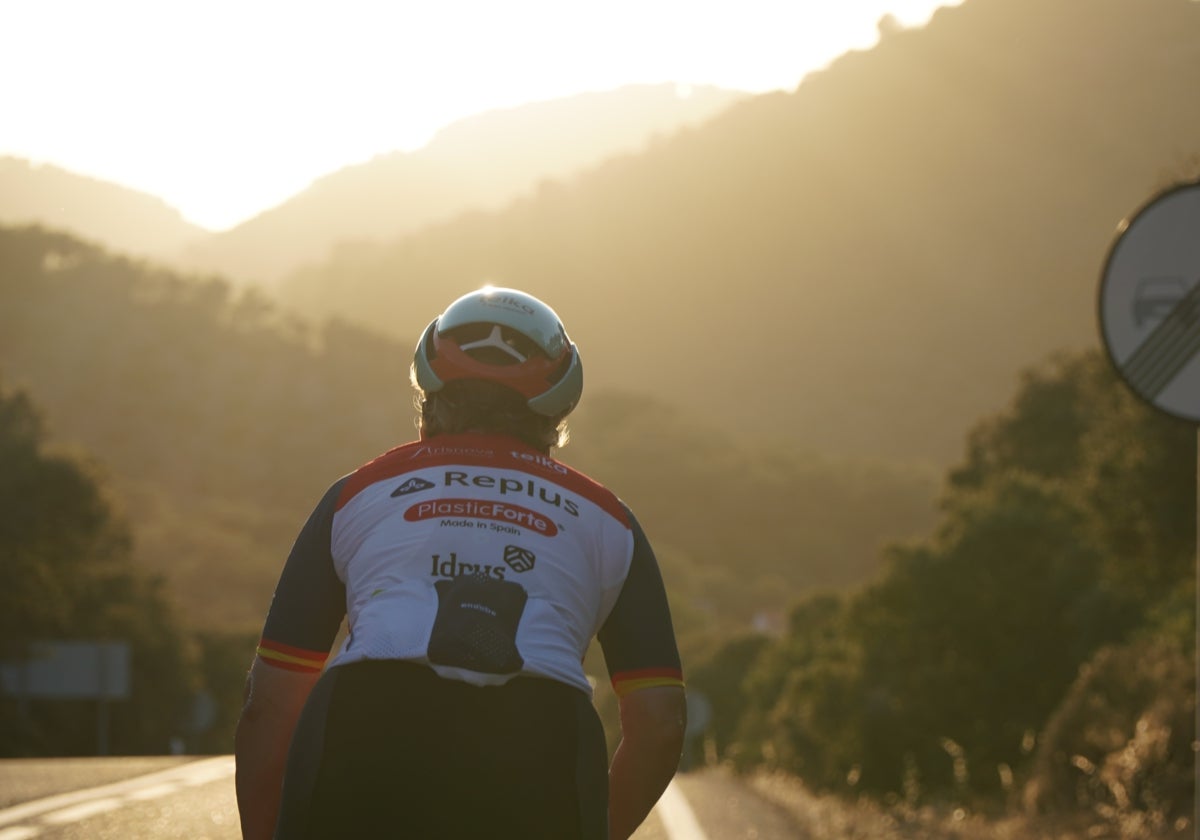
(224, 108)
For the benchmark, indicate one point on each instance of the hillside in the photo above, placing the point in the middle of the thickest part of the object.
(216, 421)
(122, 219)
(479, 163)
(860, 266)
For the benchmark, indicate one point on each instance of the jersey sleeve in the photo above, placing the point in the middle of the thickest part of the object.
(310, 600)
(637, 638)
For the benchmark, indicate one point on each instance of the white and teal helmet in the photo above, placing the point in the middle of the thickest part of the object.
(507, 337)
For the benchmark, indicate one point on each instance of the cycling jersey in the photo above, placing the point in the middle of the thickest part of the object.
(481, 558)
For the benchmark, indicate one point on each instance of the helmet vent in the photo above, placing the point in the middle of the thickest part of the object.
(494, 345)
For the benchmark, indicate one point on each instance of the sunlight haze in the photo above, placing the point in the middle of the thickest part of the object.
(225, 109)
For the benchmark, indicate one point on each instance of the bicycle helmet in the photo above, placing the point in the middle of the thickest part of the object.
(504, 336)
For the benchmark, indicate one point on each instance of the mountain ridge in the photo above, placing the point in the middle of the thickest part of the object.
(364, 201)
(924, 218)
(122, 218)
(478, 163)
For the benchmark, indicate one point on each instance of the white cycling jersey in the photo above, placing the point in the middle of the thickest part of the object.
(480, 557)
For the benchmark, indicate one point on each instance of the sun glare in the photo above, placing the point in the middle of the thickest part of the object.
(228, 108)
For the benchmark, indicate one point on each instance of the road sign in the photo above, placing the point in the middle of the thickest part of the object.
(1150, 302)
(69, 670)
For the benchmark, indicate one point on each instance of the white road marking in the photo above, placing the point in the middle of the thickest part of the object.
(82, 811)
(18, 832)
(673, 809)
(78, 804)
(154, 791)
(677, 817)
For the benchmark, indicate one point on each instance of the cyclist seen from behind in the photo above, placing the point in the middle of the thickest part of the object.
(472, 570)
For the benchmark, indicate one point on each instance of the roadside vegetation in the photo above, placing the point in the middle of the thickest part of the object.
(1034, 653)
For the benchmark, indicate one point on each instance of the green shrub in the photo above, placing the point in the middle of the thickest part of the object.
(1120, 743)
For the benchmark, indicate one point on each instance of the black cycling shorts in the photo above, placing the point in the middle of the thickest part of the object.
(388, 749)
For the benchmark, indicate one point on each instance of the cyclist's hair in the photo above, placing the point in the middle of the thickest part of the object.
(477, 405)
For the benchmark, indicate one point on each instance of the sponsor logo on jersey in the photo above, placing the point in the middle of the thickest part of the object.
(548, 494)
(413, 485)
(498, 516)
(452, 451)
(542, 461)
(449, 567)
(519, 559)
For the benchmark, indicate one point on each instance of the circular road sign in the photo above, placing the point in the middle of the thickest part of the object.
(1150, 302)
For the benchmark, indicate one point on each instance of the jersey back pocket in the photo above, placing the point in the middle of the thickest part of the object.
(476, 624)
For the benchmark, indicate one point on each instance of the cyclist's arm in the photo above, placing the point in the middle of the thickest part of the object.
(652, 725)
(274, 699)
(639, 647)
(305, 615)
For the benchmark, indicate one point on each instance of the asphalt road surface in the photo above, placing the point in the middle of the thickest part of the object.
(193, 798)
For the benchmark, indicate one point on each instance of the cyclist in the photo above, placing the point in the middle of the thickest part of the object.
(472, 570)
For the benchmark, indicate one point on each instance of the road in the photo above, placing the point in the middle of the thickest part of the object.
(193, 798)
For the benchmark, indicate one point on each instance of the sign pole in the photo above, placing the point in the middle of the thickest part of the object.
(102, 704)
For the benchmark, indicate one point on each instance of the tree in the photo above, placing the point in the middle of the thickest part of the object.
(802, 699)
(54, 526)
(973, 636)
(1069, 528)
(1132, 468)
(721, 679)
(69, 576)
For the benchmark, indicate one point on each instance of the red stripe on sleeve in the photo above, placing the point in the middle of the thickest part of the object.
(626, 682)
(291, 658)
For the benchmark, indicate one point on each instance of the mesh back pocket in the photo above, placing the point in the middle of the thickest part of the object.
(476, 625)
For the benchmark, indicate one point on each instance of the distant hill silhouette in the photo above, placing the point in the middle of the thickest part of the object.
(218, 420)
(120, 218)
(862, 265)
(482, 162)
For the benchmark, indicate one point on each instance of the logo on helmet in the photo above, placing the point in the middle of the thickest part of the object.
(509, 302)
